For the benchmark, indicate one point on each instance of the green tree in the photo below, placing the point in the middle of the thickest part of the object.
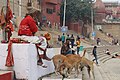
(77, 10)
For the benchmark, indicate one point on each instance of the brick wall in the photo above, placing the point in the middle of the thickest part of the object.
(75, 27)
(52, 17)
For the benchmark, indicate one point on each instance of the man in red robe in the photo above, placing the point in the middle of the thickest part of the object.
(27, 30)
(28, 26)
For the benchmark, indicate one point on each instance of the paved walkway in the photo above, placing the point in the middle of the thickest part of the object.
(109, 68)
(112, 69)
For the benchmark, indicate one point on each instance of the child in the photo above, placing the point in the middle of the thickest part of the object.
(78, 45)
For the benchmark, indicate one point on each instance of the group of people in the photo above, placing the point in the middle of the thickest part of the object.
(109, 53)
(115, 42)
(71, 39)
(65, 49)
(67, 41)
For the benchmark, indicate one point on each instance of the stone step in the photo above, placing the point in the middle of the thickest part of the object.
(102, 73)
(103, 59)
(97, 73)
(53, 76)
(101, 55)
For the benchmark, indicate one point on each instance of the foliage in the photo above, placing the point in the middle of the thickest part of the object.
(77, 10)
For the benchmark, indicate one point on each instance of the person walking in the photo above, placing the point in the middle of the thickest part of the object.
(77, 37)
(98, 41)
(59, 38)
(68, 38)
(94, 52)
(63, 38)
(72, 39)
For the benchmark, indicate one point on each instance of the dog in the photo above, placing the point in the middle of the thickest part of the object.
(74, 60)
(58, 61)
(65, 64)
(77, 62)
(89, 64)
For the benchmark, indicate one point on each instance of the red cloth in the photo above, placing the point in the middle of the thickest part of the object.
(9, 15)
(10, 26)
(9, 29)
(27, 26)
(9, 59)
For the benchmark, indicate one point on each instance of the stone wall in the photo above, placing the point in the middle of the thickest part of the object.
(112, 29)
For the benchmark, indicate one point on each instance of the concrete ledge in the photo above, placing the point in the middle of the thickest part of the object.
(25, 61)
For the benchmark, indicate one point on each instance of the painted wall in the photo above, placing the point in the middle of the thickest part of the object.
(25, 61)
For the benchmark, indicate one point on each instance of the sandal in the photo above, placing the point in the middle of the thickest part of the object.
(41, 64)
(44, 66)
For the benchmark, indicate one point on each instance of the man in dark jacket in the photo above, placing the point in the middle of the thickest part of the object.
(94, 52)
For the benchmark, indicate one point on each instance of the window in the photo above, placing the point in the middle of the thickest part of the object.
(49, 11)
(54, 9)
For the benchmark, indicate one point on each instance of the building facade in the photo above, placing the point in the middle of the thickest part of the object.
(107, 12)
(21, 7)
(109, 19)
(50, 12)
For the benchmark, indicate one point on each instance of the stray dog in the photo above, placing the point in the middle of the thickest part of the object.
(65, 64)
(74, 60)
(58, 61)
(89, 64)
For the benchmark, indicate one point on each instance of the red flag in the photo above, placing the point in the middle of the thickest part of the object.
(9, 14)
(9, 59)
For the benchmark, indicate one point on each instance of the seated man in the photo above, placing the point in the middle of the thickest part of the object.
(107, 52)
(65, 49)
(26, 32)
(116, 56)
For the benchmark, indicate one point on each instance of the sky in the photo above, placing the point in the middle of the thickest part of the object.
(110, 0)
